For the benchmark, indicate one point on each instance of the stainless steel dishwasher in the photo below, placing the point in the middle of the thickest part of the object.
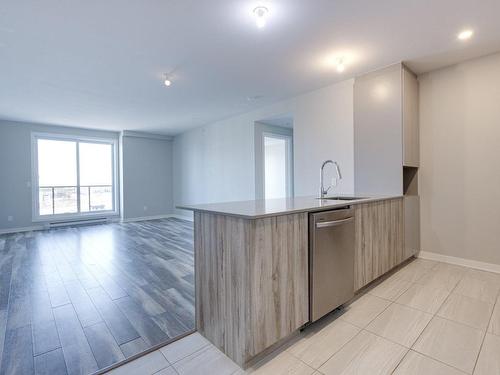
(331, 260)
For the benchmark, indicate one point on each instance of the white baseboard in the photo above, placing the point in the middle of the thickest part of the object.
(156, 217)
(20, 230)
(483, 266)
(183, 217)
(111, 220)
(144, 218)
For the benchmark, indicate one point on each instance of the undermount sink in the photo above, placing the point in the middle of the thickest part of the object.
(343, 198)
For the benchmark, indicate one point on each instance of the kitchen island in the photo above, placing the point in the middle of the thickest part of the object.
(252, 272)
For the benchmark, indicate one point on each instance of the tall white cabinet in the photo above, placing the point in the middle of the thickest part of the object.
(386, 142)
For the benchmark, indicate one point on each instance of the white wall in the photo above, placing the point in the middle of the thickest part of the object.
(216, 163)
(323, 129)
(146, 177)
(460, 154)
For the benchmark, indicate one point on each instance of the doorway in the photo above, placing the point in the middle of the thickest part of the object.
(274, 158)
(277, 166)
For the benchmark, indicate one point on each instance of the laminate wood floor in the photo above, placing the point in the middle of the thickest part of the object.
(78, 299)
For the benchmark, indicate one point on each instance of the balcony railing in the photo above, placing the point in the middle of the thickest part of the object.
(55, 200)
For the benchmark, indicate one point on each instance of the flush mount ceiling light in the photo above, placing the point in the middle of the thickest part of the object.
(340, 65)
(254, 98)
(261, 12)
(465, 34)
(167, 82)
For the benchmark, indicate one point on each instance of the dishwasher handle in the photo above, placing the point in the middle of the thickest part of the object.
(326, 224)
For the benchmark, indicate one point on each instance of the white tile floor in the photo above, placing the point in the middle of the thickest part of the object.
(427, 318)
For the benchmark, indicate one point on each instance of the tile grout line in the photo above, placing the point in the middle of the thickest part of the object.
(440, 361)
(429, 322)
(400, 361)
(435, 315)
(485, 333)
(361, 329)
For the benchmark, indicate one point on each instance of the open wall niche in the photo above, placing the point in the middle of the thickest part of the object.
(410, 180)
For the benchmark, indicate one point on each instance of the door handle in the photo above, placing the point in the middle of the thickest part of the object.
(326, 224)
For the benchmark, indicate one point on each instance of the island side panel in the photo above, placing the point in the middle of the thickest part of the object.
(221, 272)
(279, 293)
(251, 281)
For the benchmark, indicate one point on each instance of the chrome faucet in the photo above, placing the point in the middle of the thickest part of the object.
(322, 190)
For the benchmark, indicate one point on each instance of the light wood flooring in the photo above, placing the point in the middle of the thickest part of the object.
(76, 300)
(428, 318)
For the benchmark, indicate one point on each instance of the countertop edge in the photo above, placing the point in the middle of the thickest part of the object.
(333, 205)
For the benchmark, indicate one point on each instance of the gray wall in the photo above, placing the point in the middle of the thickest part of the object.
(146, 177)
(459, 175)
(146, 167)
(15, 168)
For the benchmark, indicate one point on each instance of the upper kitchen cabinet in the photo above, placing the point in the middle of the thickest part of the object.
(385, 129)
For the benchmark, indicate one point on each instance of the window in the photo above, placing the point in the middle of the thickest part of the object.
(73, 177)
(277, 166)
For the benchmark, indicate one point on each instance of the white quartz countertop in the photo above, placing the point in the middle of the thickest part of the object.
(274, 207)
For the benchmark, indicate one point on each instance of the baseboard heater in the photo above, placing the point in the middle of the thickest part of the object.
(71, 223)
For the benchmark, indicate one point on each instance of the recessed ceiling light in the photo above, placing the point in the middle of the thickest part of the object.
(465, 34)
(261, 12)
(167, 82)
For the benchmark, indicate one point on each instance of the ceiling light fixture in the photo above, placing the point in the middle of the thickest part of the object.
(340, 65)
(465, 34)
(254, 98)
(260, 14)
(167, 80)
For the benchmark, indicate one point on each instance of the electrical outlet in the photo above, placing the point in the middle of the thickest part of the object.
(10, 218)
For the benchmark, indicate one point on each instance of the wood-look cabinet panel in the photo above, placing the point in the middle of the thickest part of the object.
(411, 145)
(363, 256)
(222, 282)
(279, 295)
(251, 281)
(379, 239)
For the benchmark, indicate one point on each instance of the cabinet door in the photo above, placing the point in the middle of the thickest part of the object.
(379, 239)
(411, 225)
(363, 256)
(411, 154)
(378, 153)
(388, 236)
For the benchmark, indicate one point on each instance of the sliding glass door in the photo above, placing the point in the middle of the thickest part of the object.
(73, 177)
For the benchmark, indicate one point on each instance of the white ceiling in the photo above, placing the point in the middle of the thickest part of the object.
(99, 64)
